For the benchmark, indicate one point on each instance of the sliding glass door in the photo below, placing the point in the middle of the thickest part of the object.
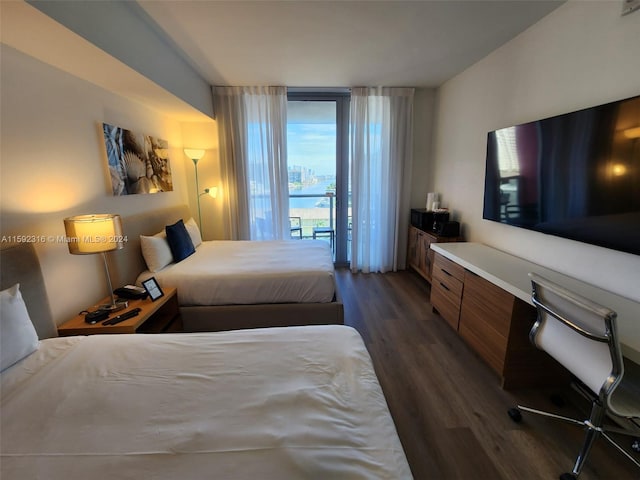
(318, 169)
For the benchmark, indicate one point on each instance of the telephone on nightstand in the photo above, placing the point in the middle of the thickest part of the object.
(131, 292)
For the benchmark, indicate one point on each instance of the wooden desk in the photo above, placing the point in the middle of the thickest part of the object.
(510, 274)
(154, 317)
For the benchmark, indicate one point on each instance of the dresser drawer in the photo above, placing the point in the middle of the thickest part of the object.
(491, 347)
(450, 284)
(485, 319)
(488, 303)
(446, 294)
(447, 307)
(448, 268)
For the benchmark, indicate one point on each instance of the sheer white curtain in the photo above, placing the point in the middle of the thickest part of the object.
(252, 124)
(381, 156)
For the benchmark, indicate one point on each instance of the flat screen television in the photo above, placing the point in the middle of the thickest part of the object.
(575, 175)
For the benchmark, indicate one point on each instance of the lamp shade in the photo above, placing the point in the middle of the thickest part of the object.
(194, 154)
(87, 234)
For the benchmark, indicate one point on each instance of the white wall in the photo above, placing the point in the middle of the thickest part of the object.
(421, 181)
(53, 165)
(582, 54)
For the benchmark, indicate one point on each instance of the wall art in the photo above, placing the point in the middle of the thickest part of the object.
(138, 163)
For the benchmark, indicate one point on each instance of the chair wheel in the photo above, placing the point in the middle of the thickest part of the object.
(515, 414)
(568, 476)
(635, 445)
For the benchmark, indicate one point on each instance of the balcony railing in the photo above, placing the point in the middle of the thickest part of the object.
(323, 214)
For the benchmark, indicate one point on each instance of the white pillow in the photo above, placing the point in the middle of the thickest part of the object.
(156, 251)
(193, 231)
(18, 337)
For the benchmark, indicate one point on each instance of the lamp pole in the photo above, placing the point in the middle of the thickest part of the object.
(195, 155)
(195, 164)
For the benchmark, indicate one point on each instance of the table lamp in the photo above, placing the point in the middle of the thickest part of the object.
(89, 234)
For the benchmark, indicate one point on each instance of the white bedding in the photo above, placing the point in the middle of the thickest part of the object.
(250, 272)
(278, 403)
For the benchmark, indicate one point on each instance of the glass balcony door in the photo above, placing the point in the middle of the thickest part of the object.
(318, 169)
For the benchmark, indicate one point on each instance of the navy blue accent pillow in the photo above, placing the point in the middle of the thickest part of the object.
(179, 241)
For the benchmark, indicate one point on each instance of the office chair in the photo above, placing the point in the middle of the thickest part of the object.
(582, 336)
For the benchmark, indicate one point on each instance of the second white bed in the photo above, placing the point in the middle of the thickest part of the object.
(251, 272)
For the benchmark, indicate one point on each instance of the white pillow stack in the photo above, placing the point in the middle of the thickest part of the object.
(155, 248)
(194, 232)
(156, 251)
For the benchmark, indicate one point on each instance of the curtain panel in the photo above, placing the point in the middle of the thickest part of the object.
(252, 124)
(381, 158)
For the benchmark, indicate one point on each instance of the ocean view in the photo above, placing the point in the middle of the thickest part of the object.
(318, 189)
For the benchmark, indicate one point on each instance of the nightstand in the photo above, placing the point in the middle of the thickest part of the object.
(160, 316)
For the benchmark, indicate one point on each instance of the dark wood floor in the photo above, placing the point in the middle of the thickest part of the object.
(448, 407)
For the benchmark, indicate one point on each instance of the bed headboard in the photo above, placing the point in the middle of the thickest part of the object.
(128, 263)
(19, 264)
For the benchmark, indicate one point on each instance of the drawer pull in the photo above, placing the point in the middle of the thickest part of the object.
(444, 286)
(444, 271)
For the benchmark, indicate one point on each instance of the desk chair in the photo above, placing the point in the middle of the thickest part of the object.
(582, 336)
(295, 225)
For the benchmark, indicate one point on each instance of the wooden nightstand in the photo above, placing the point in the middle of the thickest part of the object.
(163, 315)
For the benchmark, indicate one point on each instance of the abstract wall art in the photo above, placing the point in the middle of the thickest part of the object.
(138, 163)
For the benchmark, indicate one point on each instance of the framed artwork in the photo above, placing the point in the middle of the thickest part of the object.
(152, 288)
(138, 163)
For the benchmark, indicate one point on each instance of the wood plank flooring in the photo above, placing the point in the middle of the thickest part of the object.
(448, 407)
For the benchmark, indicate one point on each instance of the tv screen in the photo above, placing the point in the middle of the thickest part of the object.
(576, 175)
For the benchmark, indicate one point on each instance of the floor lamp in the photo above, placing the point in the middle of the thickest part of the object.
(89, 234)
(195, 155)
(211, 191)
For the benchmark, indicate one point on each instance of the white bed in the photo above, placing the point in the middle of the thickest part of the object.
(274, 403)
(242, 308)
(294, 402)
(246, 272)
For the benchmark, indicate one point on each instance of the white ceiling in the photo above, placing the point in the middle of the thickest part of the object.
(307, 43)
(298, 43)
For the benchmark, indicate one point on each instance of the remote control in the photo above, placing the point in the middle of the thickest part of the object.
(122, 317)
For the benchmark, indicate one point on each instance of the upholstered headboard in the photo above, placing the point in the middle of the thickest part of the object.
(128, 263)
(19, 264)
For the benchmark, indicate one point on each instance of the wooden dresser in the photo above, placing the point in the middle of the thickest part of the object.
(419, 253)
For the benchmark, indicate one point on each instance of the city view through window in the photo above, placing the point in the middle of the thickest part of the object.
(311, 165)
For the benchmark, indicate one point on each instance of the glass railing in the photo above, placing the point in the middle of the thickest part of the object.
(309, 211)
(314, 216)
